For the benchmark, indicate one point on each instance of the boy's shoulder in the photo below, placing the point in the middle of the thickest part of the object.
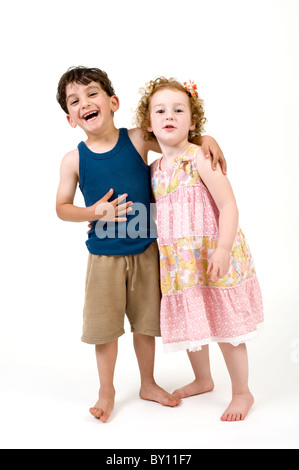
(71, 160)
(71, 155)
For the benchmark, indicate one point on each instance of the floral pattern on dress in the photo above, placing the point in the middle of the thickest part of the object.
(192, 306)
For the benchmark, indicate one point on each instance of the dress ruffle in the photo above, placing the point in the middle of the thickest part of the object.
(203, 314)
(197, 345)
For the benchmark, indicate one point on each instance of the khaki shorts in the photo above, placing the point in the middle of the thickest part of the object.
(119, 285)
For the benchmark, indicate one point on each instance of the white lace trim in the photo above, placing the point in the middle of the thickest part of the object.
(194, 346)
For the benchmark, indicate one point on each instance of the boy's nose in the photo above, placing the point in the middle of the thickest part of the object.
(85, 103)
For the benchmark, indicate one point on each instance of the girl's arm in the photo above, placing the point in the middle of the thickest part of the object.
(222, 193)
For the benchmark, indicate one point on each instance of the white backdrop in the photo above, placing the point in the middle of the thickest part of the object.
(244, 57)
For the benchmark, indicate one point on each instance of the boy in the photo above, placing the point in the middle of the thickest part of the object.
(123, 271)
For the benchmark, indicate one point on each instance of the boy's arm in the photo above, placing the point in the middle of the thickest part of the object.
(143, 146)
(211, 150)
(66, 210)
(69, 178)
(208, 144)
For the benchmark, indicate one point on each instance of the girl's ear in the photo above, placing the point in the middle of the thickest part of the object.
(71, 121)
(193, 125)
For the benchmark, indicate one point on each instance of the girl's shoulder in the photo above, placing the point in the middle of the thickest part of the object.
(194, 154)
(155, 165)
(193, 151)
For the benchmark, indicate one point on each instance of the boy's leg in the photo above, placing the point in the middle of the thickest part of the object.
(145, 352)
(104, 310)
(203, 383)
(106, 355)
(237, 364)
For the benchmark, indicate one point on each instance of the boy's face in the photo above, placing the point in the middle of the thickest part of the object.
(170, 116)
(90, 107)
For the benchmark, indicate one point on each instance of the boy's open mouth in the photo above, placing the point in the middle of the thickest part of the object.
(91, 115)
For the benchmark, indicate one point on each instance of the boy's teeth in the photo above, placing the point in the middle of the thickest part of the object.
(90, 115)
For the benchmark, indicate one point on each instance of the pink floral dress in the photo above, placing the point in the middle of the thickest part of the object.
(195, 311)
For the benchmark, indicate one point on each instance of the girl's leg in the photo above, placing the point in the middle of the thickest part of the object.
(200, 362)
(106, 355)
(236, 359)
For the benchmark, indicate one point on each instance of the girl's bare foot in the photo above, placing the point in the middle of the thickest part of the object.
(196, 387)
(239, 407)
(153, 392)
(104, 405)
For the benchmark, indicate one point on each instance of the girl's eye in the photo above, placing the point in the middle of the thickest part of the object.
(160, 111)
(179, 110)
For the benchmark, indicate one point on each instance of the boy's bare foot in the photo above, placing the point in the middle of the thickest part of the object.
(153, 392)
(105, 404)
(196, 387)
(239, 407)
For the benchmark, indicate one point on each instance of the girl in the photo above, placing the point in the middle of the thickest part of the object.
(210, 291)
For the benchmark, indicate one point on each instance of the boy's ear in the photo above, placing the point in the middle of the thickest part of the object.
(71, 121)
(114, 103)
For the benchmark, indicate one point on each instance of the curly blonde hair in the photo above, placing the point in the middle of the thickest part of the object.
(142, 117)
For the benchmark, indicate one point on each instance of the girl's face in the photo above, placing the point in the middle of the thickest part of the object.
(170, 116)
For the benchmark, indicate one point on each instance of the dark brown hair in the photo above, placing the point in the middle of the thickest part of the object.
(85, 76)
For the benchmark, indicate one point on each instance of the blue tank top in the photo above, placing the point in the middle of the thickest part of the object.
(123, 170)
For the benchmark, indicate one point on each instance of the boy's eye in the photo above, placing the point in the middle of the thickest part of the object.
(92, 94)
(74, 102)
